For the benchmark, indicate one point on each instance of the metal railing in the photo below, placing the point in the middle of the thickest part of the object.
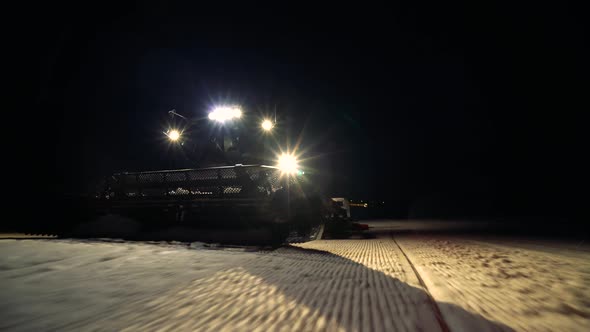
(240, 181)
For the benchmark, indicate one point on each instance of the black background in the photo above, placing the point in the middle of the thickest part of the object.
(437, 109)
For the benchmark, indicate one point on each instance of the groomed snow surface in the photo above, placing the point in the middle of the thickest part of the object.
(393, 282)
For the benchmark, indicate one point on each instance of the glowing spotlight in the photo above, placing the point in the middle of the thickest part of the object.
(288, 164)
(173, 135)
(225, 113)
(267, 125)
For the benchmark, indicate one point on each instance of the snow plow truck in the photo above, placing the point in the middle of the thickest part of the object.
(238, 192)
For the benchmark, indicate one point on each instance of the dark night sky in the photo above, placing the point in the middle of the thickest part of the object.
(411, 103)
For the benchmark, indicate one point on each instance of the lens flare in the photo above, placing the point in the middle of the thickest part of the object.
(267, 125)
(174, 135)
(288, 164)
(225, 113)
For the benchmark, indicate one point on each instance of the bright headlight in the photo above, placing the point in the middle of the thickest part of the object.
(174, 135)
(225, 113)
(266, 125)
(288, 164)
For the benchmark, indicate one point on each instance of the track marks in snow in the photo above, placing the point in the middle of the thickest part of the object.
(351, 285)
(527, 290)
(335, 286)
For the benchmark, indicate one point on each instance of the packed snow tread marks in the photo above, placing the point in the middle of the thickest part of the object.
(437, 312)
(389, 292)
(544, 291)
